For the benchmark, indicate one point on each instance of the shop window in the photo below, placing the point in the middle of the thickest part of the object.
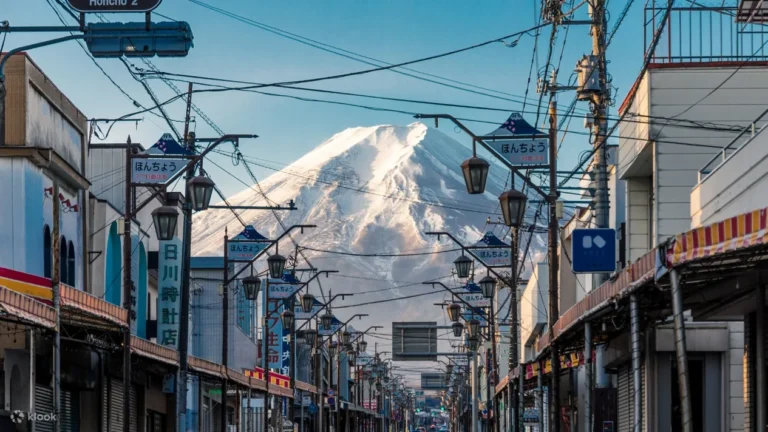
(70, 264)
(47, 257)
(63, 276)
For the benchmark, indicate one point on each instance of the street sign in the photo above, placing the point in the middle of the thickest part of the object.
(312, 409)
(414, 341)
(283, 288)
(163, 39)
(335, 325)
(473, 295)
(363, 359)
(520, 143)
(160, 169)
(433, 381)
(114, 6)
(593, 250)
(299, 313)
(246, 245)
(490, 255)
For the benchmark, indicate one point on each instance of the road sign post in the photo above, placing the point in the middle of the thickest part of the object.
(593, 250)
(114, 6)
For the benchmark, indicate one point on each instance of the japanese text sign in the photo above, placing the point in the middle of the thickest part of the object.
(274, 330)
(523, 151)
(473, 295)
(246, 245)
(283, 288)
(491, 255)
(156, 171)
(169, 274)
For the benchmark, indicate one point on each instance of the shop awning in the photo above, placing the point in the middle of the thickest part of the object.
(154, 351)
(301, 385)
(94, 306)
(26, 309)
(730, 235)
(636, 274)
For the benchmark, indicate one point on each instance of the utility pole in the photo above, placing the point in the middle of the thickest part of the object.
(56, 291)
(554, 227)
(599, 105)
(225, 331)
(181, 402)
(127, 282)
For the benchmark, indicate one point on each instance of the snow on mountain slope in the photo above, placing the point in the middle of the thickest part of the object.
(372, 190)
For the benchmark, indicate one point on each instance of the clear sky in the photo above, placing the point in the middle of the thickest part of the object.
(392, 30)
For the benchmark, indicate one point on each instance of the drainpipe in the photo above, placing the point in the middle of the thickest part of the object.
(635, 330)
(588, 376)
(760, 358)
(681, 352)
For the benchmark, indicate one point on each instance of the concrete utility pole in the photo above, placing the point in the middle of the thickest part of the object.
(225, 330)
(599, 105)
(127, 282)
(554, 290)
(186, 249)
(56, 291)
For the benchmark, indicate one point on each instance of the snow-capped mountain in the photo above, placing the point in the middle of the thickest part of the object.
(372, 191)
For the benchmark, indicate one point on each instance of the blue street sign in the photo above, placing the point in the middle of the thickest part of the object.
(593, 250)
(312, 408)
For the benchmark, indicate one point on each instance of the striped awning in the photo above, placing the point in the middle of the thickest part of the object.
(739, 232)
(145, 348)
(26, 309)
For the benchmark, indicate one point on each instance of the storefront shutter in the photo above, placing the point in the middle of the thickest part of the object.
(134, 409)
(43, 405)
(70, 412)
(624, 398)
(115, 405)
(105, 403)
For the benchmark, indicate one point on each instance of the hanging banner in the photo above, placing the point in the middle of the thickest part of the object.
(473, 295)
(246, 245)
(493, 252)
(169, 274)
(160, 169)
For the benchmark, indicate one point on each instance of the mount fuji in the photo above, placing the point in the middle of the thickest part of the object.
(372, 192)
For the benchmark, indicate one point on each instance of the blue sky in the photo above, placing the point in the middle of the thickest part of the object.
(393, 31)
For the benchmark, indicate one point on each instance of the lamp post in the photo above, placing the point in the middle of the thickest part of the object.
(553, 228)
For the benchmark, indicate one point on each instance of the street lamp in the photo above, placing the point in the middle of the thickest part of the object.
(474, 328)
(488, 285)
(288, 317)
(473, 343)
(475, 172)
(199, 191)
(454, 310)
(276, 265)
(332, 348)
(165, 219)
(363, 345)
(352, 356)
(326, 320)
(345, 335)
(457, 329)
(310, 335)
(251, 285)
(307, 302)
(463, 265)
(512, 203)
(448, 370)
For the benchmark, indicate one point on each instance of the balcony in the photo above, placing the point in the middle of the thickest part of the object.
(733, 181)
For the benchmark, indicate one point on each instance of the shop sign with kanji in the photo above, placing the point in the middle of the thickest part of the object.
(169, 274)
(133, 315)
(493, 252)
(246, 245)
(159, 170)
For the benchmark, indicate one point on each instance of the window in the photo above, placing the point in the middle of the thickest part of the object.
(70, 264)
(47, 257)
(63, 277)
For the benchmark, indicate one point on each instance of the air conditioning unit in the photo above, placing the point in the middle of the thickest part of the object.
(589, 77)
